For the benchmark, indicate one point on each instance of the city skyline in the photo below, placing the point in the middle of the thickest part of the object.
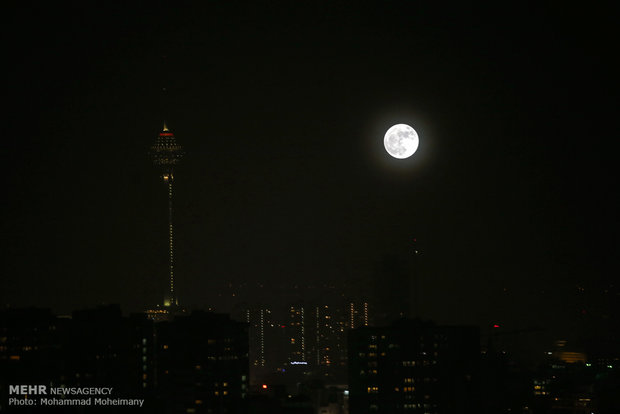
(282, 112)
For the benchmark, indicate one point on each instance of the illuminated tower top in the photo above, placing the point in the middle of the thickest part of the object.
(166, 152)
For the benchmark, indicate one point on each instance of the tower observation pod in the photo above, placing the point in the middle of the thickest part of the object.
(166, 154)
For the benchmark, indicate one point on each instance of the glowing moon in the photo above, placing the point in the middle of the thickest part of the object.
(401, 141)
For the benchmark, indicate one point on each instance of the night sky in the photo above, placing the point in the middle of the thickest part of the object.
(282, 109)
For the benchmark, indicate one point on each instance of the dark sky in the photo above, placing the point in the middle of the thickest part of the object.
(282, 111)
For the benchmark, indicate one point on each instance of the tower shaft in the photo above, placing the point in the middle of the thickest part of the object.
(173, 299)
(166, 154)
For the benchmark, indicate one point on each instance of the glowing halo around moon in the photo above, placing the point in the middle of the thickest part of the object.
(401, 141)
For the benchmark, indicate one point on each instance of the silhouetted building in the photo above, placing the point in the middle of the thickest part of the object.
(31, 350)
(358, 315)
(202, 364)
(413, 367)
(196, 363)
(267, 341)
(104, 348)
(92, 348)
(328, 345)
(296, 330)
(567, 382)
(392, 289)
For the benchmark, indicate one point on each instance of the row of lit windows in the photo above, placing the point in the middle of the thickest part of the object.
(413, 406)
(405, 380)
(223, 358)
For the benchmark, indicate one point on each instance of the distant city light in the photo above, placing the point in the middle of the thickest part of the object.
(264, 386)
(298, 363)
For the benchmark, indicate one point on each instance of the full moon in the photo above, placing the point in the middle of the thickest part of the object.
(401, 141)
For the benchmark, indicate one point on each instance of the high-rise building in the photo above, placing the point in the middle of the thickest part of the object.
(91, 348)
(358, 315)
(166, 154)
(413, 367)
(261, 327)
(202, 364)
(192, 363)
(296, 330)
(329, 351)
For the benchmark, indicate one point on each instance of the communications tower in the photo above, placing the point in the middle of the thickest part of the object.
(166, 154)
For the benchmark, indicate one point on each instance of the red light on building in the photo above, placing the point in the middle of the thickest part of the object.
(496, 326)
